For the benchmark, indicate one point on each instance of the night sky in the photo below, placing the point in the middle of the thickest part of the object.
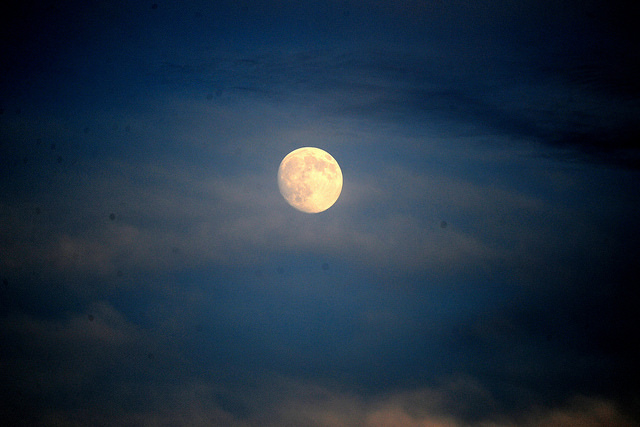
(478, 269)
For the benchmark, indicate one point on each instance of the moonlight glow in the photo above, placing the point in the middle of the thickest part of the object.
(310, 179)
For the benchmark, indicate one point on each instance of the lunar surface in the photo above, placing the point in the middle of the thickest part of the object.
(310, 179)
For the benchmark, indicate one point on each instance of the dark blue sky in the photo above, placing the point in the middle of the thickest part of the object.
(477, 269)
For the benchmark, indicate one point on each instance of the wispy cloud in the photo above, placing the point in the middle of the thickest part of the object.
(199, 403)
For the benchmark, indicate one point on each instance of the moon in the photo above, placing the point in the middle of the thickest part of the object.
(310, 179)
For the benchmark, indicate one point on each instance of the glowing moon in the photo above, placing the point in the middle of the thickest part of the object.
(310, 179)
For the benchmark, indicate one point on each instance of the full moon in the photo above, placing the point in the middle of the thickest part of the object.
(310, 179)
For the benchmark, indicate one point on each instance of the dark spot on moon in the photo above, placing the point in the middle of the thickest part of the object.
(150, 355)
(90, 317)
(112, 216)
(443, 224)
(325, 266)
(59, 159)
(119, 273)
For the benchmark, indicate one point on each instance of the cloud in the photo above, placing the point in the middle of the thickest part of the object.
(193, 403)
(294, 403)
(163, 216)
(217, 203)
(581, 411)
(52, 358)
(461, 402)
(85, 341)
(101, 327)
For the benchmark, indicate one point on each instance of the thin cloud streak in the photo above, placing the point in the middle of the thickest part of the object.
(201, 219)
